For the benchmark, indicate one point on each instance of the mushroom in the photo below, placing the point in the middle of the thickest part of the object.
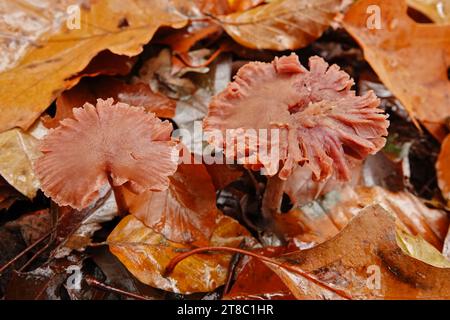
(321, 123)
(107, 143)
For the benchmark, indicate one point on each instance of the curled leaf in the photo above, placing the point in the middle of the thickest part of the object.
(132, 147)
(320, 120)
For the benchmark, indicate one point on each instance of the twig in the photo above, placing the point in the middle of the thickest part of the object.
(13, 260)
(102, 286)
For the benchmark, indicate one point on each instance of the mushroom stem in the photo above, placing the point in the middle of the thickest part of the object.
(118, 195)
(273, 195)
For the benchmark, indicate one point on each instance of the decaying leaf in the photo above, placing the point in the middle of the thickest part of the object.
(364, 261)
(146, 253)
(436, 10)
(322, 219)
(18, 152)
(281, 24)
(8, 195)
(255, 281)
(403, 54)
(186, 212)
(89, 90)
(109, 141)
(443, 169)
(33, 225)
(42, 53)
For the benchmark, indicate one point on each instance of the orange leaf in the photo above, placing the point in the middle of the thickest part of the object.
(146, 254)
(50, 55)
(89, 90)
(410, 58)
(443, 168)
(281, 24)
(185, 212)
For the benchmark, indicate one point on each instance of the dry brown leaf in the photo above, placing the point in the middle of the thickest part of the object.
(436, 10)
(443, 169)
(146, 254)
(281, 24)
(186, 212)
(52, 54)
(410, 58)
(321, 220)
(350, 260)
(18, 152)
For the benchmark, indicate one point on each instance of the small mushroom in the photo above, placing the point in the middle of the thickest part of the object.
(321, 122)
(107, 143)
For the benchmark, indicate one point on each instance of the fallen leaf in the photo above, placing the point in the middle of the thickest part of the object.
(108, 63)
(222, 175)
(352, 260)
(446, 249)
(32, 225)
(281, 24)
(443, 168)
(401, 53)
(243, 5)
(8, 195)
(74, 228)
(186, 212)
(256, 281)
(19, 151)
(89, 90)
(419, 249)
(436, 10)
(320, 220)
(54, 53)
(146, 253)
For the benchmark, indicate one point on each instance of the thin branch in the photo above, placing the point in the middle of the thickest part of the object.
(102, 286)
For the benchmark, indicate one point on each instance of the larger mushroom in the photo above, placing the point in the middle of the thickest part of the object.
(320, 121)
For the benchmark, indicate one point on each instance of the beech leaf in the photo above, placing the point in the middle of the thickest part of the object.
(443, 168)
(19, 151)
(146, 254)
(52, 51)
(281, 24)
(402, 54)
(347, 261)
(185, 212)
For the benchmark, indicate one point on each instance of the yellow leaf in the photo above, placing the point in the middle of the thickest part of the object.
(52, 54)
(146, 253)
(418, 248)
(281, 24)
(19, 150)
